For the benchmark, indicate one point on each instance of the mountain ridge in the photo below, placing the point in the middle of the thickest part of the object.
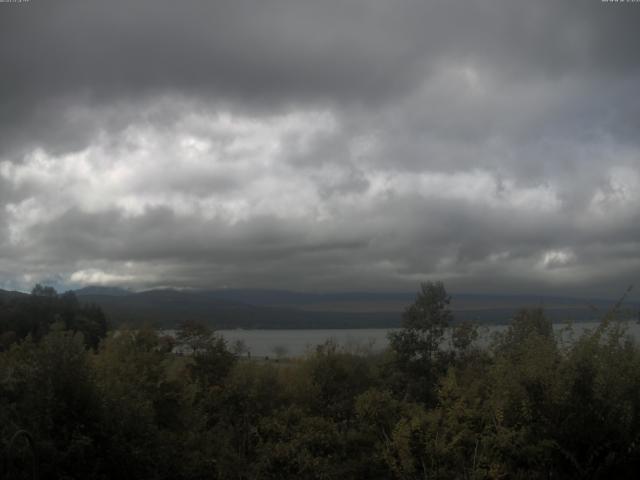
(275, 309)
(264, 308)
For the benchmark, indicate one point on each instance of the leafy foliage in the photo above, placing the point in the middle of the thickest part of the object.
(534, 404)
(419, 359)
(34, 315)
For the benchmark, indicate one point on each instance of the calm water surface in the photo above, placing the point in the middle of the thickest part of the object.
(273, 343)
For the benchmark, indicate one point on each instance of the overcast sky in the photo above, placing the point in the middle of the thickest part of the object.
(321, 145)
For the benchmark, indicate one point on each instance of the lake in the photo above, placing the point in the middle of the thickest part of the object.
(293, 343)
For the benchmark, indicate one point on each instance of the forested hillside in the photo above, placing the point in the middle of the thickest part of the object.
(44, 309)
(529, 406)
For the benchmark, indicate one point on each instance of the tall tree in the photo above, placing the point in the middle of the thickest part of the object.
(419, 359)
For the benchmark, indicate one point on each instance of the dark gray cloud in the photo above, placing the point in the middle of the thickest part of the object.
(58, 54)
(320, 145)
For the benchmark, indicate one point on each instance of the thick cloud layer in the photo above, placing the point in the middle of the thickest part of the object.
(321, 145)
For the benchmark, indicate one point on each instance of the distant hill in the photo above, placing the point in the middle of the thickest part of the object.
(166, 308)
(98, 290)
(254, 308)
(8, 294)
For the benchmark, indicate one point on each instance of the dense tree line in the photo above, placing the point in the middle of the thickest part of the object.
(34, 316)
(534, 404)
